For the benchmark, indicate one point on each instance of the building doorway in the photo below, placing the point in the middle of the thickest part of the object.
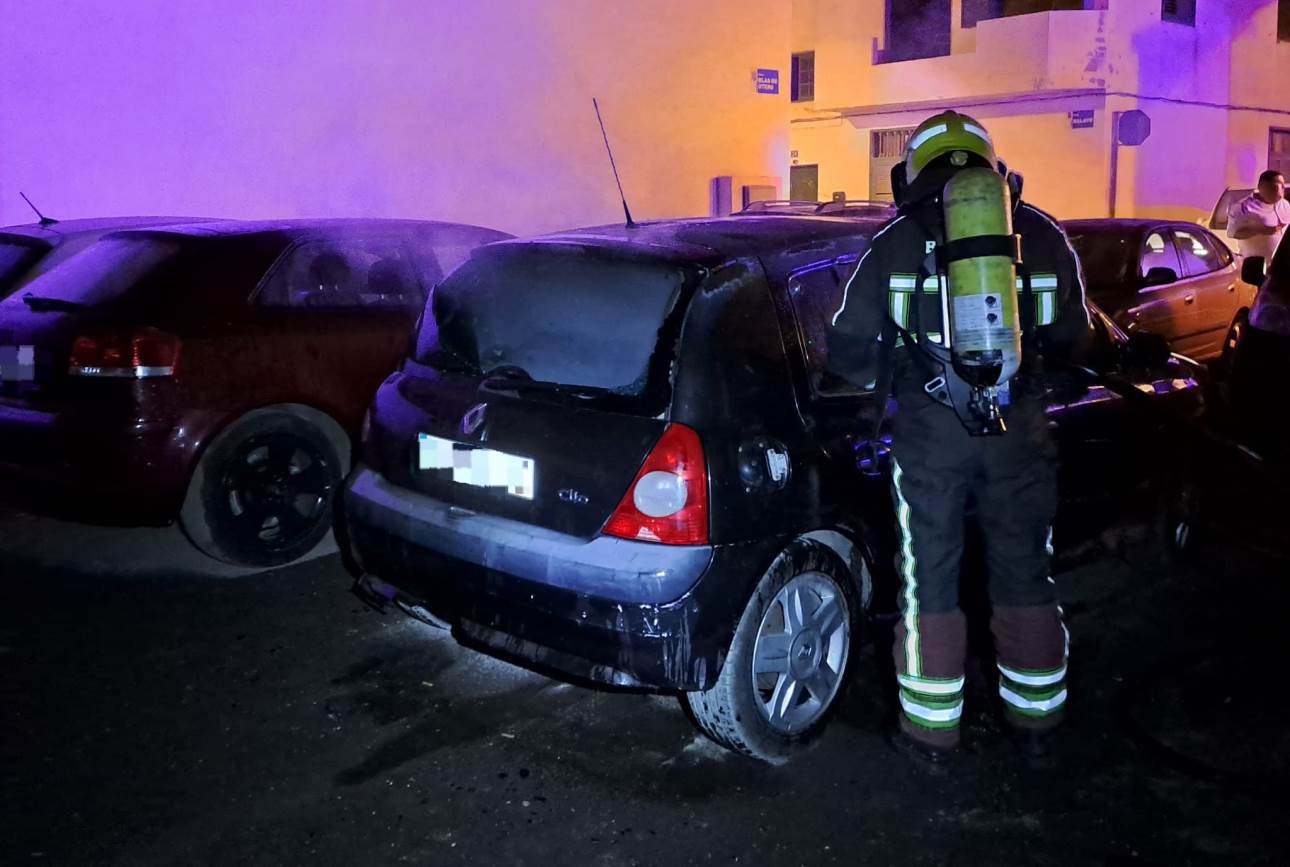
(804, 183)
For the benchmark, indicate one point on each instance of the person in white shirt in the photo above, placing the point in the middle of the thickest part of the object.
(1258, 221)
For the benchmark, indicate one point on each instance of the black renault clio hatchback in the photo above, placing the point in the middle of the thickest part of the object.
(616, 453)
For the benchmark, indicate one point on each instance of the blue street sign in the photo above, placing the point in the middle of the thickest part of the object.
(1082, 119)
(768, 81)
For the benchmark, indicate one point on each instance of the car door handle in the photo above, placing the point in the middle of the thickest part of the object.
(1231, 288)
(1189, 299)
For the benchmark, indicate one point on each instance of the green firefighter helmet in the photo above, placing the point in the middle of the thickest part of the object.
(946, 133)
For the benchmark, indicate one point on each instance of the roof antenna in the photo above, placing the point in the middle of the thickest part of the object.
(44, 221)
(631, 224)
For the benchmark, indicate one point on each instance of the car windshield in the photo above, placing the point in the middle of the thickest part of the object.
(551, 314)
(1225, 202)
(102, 273)
(1107, 260)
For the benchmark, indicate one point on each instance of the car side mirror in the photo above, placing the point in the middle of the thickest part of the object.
(1145, 351)
(1160, 277)
(1253, 270)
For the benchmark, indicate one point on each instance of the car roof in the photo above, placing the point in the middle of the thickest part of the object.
(59, 230)
(706, 240)
(303, 229)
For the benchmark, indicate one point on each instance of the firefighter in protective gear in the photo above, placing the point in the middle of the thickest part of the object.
(894, 324)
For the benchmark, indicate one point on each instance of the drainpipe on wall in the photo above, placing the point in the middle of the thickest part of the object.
(1115, 158)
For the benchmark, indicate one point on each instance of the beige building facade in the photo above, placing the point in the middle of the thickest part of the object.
(1049, 78)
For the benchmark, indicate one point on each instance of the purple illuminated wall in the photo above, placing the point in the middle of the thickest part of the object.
(477, 111)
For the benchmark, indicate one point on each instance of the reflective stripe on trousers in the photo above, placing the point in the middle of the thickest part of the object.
(913, 661)
(931, 702)
(1037, 694)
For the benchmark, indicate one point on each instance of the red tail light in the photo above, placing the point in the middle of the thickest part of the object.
(139, 353)
(668, 500)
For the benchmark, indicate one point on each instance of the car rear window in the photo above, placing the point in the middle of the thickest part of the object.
(1107, 260)
(105, 271)
(65, 250)
(556, 314)
(15, 259)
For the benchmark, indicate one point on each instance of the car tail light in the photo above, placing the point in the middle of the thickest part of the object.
(139, 353)
(668, 500)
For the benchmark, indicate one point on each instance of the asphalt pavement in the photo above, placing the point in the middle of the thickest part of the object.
(156, 708)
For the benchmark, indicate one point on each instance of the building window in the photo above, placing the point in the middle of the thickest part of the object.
(917, 29)
(1279, 151)
(1178, 11)
(886, 148)
(804, 76)
(984, 10)
(1283, 20)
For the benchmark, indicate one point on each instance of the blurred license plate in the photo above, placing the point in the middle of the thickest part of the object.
(482, 468)
(17, 363)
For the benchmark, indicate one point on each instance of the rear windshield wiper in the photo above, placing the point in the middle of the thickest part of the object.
(516, 378)
(51, 305)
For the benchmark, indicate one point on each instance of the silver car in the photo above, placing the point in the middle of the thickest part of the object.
(1175, 279)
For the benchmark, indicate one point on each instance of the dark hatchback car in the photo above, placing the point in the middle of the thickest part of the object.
(615, 453)
(29, 250)
(1258, 366)
(1177, 280)
(1240, 492)
(212, 372)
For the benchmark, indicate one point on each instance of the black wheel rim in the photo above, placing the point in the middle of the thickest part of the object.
(275, 491)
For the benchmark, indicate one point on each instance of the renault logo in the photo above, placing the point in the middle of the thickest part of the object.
(474, 417)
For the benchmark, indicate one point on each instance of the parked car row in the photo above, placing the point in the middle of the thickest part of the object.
(611, 452)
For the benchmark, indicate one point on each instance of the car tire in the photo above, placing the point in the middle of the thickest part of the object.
(1177, 530)
(261, 494)
(753, 708)
(1183, 521)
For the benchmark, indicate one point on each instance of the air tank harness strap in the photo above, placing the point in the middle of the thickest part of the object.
(1007, 246)
(1027, 304)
